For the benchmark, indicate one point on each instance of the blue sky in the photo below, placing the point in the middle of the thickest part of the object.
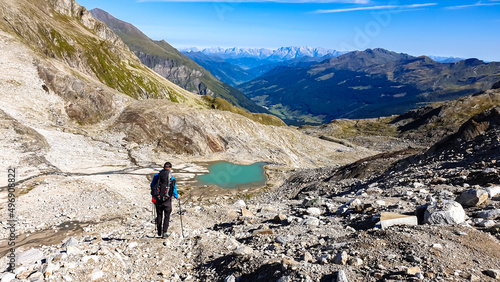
(467, 29)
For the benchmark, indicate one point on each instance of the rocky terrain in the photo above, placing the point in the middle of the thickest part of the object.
(325, 224)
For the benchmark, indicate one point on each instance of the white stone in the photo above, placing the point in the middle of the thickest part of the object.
(437, 246)
(97, 274)
(67, 278)
(354, 203)
(417, 185)
(240, 204)
(380, 203)
(29, 256)
(9, 276)
(341, 276)
(132, 245)
(72, 250)
(446, 212)
(50, 269)
(389, 219)
(493, 191)
(313, 211)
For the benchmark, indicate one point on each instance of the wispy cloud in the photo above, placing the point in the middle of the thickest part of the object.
(478, 4)
(374, 8)
(264, 1)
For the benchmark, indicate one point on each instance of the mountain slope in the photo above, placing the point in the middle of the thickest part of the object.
(418, 128)
(218, 67)
(171, 64)
(233, 74)
(366, 84)
(77, 53)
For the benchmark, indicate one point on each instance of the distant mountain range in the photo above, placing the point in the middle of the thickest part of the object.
(238, 65)
(365, 84)
(173, 65)
(442, 59)
(280, 54)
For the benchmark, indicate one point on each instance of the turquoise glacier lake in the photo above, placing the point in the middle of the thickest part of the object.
(229, 175)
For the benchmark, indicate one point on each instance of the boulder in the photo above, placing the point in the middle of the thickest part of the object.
(243, 250)
(279, 219)
(493, 191)
(341, 276)
(9, 276)
(70, 242)
(240, 203)
(313, 211)
(246, 213)
(490, 214)
(307, 257)
(445, 212)
(341, 258)
(389, 219)
(311, 221)
(413, 270)
(29, 256)
(315, 202)
(472, 197)
(493, 273)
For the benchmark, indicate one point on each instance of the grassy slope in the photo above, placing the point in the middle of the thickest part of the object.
(64, 38)
(433, 121)
(139, 42)
(366, 84)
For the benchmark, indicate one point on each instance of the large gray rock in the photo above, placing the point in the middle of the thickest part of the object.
(472, 198)
(490, 214)
(243, 250)
(29, 256)
(445, 212)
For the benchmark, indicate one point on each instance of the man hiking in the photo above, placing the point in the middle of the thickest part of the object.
(163, 187)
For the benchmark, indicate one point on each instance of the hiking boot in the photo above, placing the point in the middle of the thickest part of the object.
(165, 235)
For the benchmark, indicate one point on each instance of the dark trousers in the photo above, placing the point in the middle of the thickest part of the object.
(163, 211)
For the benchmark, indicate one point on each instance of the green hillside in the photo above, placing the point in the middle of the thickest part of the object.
(173, 65)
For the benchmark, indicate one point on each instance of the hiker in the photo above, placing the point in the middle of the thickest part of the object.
(163, 187)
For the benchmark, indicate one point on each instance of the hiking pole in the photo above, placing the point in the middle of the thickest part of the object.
(153, 212)
(180, 214)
